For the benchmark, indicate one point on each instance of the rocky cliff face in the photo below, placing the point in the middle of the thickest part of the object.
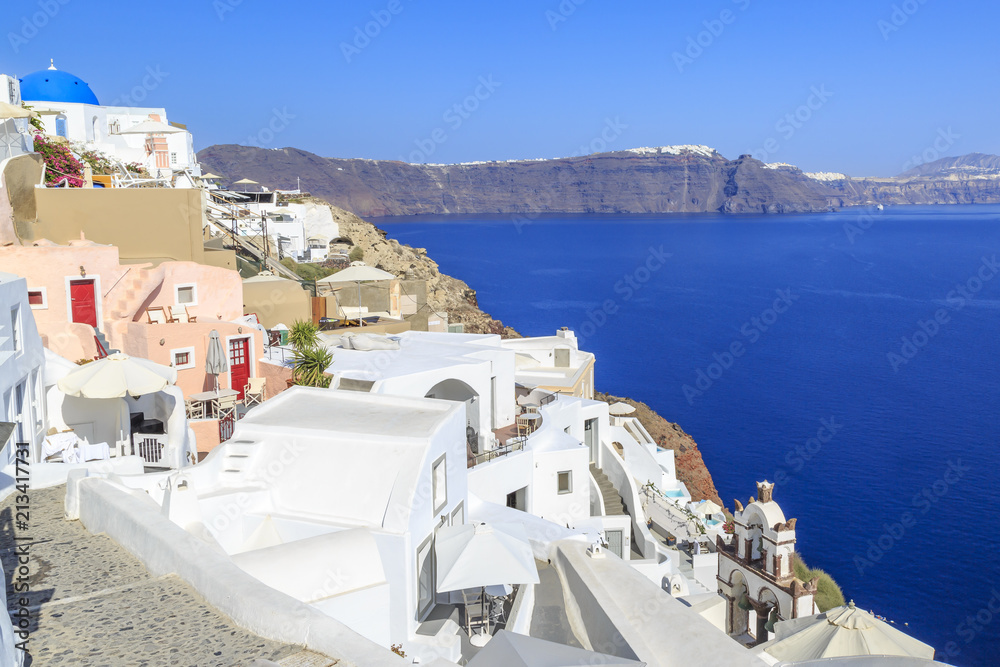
(691, 469)
(686, 179)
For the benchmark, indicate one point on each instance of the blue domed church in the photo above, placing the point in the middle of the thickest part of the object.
(53, 85)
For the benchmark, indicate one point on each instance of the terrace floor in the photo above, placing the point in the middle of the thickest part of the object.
(92, 603)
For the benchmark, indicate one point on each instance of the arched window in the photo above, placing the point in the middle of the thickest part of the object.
(61, 126)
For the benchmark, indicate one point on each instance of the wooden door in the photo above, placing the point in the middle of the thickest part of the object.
(239, 364)
(318, 308)
(84, 301)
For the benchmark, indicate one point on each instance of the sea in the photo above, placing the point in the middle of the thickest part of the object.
(852, 357)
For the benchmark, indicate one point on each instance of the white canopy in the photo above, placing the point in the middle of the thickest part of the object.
(357, 274)
(708, 508)
(509, 649)
(117, 375)
(479, 555)
(151, 127)
(620, 409)
(843, 631)
(14, 111)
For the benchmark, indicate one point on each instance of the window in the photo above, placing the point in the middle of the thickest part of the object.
(425, 577)
(15, 327)
(38, 298)
(439, 479)
(182, 358)
(186, 295)
(173, 158)
(566, 481)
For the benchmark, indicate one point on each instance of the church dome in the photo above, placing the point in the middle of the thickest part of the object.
(52, 85)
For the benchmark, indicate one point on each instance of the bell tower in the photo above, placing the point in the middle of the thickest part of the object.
(756, 573)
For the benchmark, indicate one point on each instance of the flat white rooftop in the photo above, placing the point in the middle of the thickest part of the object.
(350, 413)
(419, 352)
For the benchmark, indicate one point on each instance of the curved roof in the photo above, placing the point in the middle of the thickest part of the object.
(52, 85)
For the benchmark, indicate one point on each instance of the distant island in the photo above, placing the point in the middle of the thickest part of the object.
(666, 179)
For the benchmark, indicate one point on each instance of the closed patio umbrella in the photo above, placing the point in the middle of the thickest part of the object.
(215, 358)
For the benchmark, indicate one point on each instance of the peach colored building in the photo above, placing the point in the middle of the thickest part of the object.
(76, 287)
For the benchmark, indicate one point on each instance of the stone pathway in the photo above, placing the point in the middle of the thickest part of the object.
(92, 603)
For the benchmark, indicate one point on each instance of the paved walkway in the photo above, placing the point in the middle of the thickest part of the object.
(92, 603)
(548, 618)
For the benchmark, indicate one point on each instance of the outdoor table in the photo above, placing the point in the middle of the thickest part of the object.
(528, 422)
(207, 397)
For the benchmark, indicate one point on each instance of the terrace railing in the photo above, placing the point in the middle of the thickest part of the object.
(511, 446)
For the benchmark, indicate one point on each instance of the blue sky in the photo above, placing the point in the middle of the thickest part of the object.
(886, 80)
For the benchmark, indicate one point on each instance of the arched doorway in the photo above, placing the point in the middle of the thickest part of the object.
(460, 392)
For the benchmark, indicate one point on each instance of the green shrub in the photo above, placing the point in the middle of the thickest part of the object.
(310, 366)
(829, 594)
(303, 335)
(307, 271)
(357, 254)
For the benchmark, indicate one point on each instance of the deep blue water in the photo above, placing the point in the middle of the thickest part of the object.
(849, 300)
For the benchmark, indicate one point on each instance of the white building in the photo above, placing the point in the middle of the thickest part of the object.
(472, 369)
(333, 497)
(10, 90)
(22, 364)
(555, 363)
(70, 109)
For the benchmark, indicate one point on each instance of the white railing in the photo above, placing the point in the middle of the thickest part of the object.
(149, 446)
(511, 446)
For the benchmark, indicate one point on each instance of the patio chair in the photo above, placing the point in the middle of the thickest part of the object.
(178, 314)
(497, 611)
(225, 406)
(156, 315)
(475, 618)
(190, 317)
(253, 393)
(195, 409)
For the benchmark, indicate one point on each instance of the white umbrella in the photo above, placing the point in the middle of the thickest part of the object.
(840, 632)
(116, 376)
(151, 127)
(620, 409)
(708, 508)
(509, 649)
(14, 111)
(358, 274)
(479, 555)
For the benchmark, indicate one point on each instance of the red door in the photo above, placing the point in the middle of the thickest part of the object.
(239, 364)
(84, 301)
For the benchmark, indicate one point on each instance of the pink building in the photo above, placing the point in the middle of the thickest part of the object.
(75, 288)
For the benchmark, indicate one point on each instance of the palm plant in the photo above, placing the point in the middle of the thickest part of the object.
(311, 360)
(303, 335)
(310, 366)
